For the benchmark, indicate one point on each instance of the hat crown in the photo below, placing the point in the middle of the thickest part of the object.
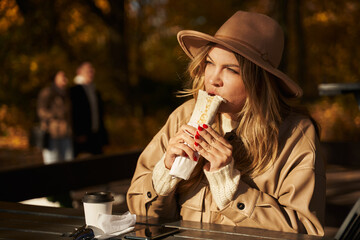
(258, 32)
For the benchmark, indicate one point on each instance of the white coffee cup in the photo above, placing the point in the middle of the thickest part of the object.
(96, 203)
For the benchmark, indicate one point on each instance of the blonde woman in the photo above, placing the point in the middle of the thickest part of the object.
(260, 165)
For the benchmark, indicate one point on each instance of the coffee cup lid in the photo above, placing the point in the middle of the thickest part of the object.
(98, 197)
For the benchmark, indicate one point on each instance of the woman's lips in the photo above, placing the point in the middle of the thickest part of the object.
(214, 94)
(211, 93)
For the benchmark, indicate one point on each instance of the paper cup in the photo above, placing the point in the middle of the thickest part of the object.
(96, 203)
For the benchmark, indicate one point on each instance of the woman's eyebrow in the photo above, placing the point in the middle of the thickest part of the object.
(225, 65)
(231, 65)
(208, 56)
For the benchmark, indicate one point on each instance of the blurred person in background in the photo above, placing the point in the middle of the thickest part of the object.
(89, 133)
(53, 109)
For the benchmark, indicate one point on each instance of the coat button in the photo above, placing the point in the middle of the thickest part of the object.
(240, 206)
(148, 194)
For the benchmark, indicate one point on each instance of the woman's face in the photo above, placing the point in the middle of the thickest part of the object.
(222, 77)
(61, 80)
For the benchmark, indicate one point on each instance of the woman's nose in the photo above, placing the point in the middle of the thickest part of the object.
(215, 79)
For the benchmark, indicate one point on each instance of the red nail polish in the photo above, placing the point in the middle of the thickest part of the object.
(200, 128)
(197, 136)
(205, 126)
(195, 159)
(196, 144)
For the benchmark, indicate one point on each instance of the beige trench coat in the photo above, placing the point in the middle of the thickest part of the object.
(288, 197)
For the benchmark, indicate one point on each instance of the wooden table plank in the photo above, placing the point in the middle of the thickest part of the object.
(37, 226)
(20, 221)
(236, 231)
(73, 222)
(18, 235)
(41, 210)
(192, 234)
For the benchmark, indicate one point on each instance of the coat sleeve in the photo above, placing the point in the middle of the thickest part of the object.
(297, 202)
(142, 198)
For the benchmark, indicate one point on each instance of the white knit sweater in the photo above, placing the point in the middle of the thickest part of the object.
(223, 182)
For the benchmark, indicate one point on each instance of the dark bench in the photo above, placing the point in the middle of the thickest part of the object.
(45, 180)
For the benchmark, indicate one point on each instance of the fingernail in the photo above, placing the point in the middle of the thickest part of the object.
(195, 159)
(186, 155)
(205, 126)
(196, 144)
(197, 136)
(200, 128)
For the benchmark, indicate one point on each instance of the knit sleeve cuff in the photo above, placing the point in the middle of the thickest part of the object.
(163, 182)
(223, 184)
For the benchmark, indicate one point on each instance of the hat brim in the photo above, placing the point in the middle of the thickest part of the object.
(192, 41)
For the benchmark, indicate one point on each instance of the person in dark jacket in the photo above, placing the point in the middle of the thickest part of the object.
(53, 109)
(89, 133)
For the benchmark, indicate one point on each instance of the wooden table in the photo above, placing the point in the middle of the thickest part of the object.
(19, 221)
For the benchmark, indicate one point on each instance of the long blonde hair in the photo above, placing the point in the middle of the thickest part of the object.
(263, 111)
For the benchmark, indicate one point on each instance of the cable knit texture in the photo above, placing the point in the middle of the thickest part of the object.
(228, 124)
(163, 182)
(223, 184)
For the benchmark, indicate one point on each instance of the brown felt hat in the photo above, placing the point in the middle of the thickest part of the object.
(255, 36)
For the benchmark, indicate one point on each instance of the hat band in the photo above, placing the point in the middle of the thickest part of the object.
(264, 56)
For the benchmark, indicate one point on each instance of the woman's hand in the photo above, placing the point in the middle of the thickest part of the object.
(177, 146)
(213, 147)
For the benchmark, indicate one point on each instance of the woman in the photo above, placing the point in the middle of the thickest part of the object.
(53, 109)
(260, 166)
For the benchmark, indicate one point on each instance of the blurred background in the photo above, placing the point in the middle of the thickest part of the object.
(139, 65)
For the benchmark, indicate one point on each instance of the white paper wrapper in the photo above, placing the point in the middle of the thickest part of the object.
(113, 225)
(204, 112)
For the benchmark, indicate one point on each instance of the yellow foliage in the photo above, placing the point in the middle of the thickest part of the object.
(12, 135)
(33, 66)
(77, 21)
(81, 32)
(131, 133)
(10, 15)
(339, 120)
(323, 17)
(103, 5)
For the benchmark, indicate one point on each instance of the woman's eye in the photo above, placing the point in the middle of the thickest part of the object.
(233, 71)
(207, 62)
